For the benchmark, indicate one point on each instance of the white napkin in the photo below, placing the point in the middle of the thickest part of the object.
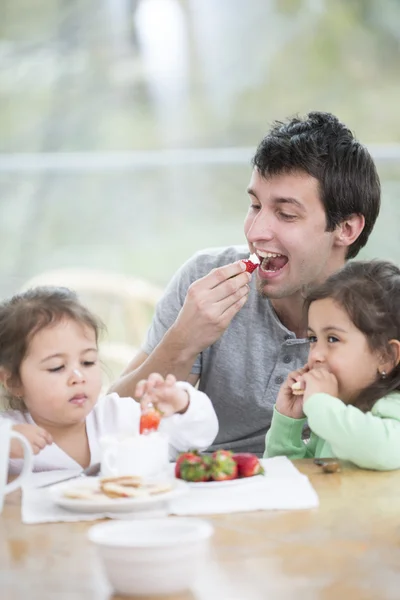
(283, 487)
(38, 507)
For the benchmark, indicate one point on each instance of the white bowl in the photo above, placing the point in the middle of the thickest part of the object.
(152, 556)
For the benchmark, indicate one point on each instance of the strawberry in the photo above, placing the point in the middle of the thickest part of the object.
(182, 457)
(251, 263)
(149, 420)
(190, 466)
(223, 467)
(248, 464)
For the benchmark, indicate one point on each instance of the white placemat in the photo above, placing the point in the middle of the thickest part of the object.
(283, 487)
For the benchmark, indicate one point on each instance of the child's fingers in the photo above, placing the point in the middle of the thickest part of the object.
(38, 443)
(45, 435)
(293, 377)
(36, 447)
(170, 380)
(143, 387)
(161, 405)
(155, 379)
(144, 404)
(140, 387)
(146, 399)
(301, 371)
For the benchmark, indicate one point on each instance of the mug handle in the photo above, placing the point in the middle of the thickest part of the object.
(28, 459)
(110, 459)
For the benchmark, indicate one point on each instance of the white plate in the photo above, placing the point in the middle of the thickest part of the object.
(223, 484)
(111, 505)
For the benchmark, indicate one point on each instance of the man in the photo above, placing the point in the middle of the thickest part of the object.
(314, 197)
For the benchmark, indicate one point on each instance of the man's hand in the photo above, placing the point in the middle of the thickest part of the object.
(164, 394)
(319, 381)
(37, 437)
(287, 403)
(210, 305)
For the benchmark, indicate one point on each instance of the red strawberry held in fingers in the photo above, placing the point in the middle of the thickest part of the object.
(248, 464)
(223, 467)
(251, 263)
(150, 420)
(190, 466)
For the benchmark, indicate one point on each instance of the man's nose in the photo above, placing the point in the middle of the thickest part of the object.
(76, 376)
(261, 227)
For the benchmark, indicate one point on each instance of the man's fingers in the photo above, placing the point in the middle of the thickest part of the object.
(221, 282)
(230, 312)
(222, 274)
(233, 288)
(234, 302)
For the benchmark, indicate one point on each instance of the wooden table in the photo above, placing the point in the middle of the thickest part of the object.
(347, 549)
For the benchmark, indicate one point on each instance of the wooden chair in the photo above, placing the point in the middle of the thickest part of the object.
(124, 303)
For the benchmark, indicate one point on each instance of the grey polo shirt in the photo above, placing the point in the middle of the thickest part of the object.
(244, 369)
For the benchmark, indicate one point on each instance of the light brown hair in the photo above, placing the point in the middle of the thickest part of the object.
(22, 316)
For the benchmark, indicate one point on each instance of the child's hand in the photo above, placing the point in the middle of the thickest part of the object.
(319, 381)
(287, 403)
(163, 394)
(37, 437)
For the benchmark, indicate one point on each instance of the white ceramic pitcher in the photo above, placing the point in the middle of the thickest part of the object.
(6, 435)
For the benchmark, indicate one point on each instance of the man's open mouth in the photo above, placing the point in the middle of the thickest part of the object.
(271, 262)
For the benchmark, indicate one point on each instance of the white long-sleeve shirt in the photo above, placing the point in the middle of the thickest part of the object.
(196, 428)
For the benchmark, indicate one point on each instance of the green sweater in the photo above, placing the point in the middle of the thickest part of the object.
(370, 440)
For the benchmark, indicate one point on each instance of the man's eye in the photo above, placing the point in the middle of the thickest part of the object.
(332, 339)
(287, 216)
(55, 369)
(312, 339)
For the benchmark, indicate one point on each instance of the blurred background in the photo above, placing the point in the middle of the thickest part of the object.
(127, 129)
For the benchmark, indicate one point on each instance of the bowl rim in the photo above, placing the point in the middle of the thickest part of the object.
(101, 534)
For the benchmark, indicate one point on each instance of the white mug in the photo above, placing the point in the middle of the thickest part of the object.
(6, 435)
(139, 455)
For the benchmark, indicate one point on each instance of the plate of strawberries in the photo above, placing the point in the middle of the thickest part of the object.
(219, 468)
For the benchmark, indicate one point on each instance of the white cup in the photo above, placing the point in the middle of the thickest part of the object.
(6, 435)
(139, 455)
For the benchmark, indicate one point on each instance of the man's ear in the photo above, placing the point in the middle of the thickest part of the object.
(349, 230)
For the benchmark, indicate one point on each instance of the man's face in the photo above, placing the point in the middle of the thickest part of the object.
(286, 227)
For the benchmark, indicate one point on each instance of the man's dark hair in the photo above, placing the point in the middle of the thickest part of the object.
(325, 148)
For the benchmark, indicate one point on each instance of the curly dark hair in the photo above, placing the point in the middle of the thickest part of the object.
(323, 147)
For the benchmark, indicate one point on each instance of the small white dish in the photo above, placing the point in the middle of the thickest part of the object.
(112, 505)
(154, 556)
(223, 484)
